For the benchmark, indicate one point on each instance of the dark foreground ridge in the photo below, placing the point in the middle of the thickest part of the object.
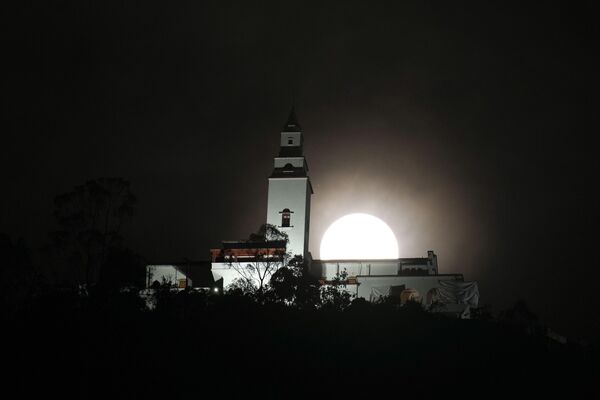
(193, 345)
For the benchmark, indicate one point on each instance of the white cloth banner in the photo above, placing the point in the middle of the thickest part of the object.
(378, 292)
(458, 292)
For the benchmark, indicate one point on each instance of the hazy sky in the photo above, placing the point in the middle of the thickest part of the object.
(466, 126)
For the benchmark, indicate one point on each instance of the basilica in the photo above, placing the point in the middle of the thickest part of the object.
(288, 210)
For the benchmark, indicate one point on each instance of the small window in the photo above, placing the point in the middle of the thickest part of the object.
(290, 141)
(285, 218)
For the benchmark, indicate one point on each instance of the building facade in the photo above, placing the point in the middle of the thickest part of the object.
(288, 209)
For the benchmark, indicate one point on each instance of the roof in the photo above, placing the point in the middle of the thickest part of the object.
(292, 124)
(290, 151)
(414, 261)
(298, 172)
(409, 261)
(254, 245)
(195, 263)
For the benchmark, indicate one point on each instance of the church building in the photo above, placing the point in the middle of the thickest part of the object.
(288, 209)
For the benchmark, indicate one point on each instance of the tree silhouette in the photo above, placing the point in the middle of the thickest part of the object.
(520, 316)
(293, 285)
(334, 294)
(268, 256)
(19, 279)
(268, 233)
(121, 268)
(90, 218)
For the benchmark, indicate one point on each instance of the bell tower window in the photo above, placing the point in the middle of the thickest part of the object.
(285, 218)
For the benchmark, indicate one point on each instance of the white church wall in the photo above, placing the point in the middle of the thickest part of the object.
(294, 137)
(422, 284)
(165, 273)
(281, 162)
(372, 281)
(309, 193)
(329, 269)
(229, 274)
(290, 193)
(224, 271)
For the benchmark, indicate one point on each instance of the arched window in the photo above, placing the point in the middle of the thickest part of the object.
(285, 217)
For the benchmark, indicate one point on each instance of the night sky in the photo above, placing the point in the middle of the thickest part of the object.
(466, 126)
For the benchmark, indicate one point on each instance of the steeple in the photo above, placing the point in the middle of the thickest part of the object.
(290, 189)
(291, 137)
(292, 124)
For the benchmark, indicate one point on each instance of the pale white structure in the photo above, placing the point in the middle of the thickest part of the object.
(224, 273)
(425, 266)
(415, 279)
(252, 261)
(288, 206)
(180, 274)
(288, 209)
(410, 278)
(171, 274)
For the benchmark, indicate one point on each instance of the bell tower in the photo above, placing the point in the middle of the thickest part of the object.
(288, 206)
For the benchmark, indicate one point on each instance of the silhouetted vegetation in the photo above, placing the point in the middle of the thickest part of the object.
(255, 273)
(19, 279)
(295, 338)
(114, 345)
(292, 338)
(90, 219)
(291, 285)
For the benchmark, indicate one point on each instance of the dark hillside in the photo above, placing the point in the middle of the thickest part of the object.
(193, 345)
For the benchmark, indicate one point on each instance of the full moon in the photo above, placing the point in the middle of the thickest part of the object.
(359, 237)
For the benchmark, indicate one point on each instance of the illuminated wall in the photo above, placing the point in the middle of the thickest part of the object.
(290, 189)
(167, 273)
(292, 194)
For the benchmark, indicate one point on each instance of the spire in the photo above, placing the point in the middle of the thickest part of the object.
(292, 124)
